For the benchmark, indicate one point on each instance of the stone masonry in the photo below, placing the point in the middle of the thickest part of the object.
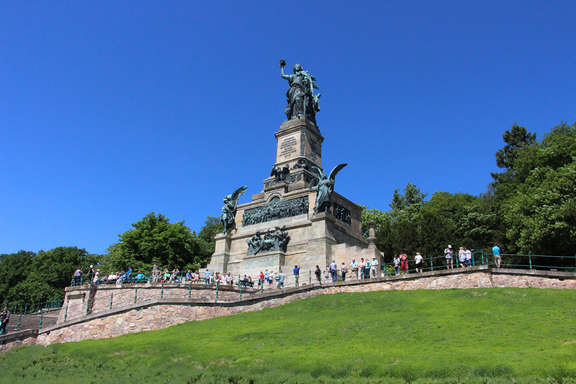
(155, 309)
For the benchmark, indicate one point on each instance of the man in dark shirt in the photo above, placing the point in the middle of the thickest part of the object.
(4, 318)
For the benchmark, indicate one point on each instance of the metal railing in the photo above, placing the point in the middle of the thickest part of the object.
(31, 316)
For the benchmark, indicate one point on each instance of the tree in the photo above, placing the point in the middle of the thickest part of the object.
(14, 268)
(56, 266)
(154, 238)
(206, 239)
(538, 207)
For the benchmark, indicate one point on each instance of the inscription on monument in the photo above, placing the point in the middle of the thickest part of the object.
(288, 147)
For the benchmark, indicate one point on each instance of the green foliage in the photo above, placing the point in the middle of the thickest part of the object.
(529, 208)
(29, 278)
(155, 238)
(538, 204)
(14, 268)
(477, 336)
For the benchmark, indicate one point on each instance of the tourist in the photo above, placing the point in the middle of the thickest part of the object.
(361, 266)
(261, 277)
(280, 279)
(327, 273)
(418, 262)
(77, 280)
(268, 276)
(296, 272)
(343, 271)
(111, 278)
(228, 279)
(206, 276)
(354, 267)
(91, 274)
(449, 255)
(318, 274)
(497, 256)
(334, 271)
(468, 254)
(4, 319)
(404, 262)
(462, 257)
(374, 267)
(96, 278)
(396, 264)
(367, 269)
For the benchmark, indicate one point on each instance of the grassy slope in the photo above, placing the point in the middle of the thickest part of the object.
(403, 336)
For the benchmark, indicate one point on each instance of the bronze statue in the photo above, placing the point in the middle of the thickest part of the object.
(325, 187)
(229, 209)
(274, 240)
(302, 102)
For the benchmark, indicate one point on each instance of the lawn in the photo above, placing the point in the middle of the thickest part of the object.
(449, 336)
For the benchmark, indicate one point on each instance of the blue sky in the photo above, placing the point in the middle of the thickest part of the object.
(110, 110)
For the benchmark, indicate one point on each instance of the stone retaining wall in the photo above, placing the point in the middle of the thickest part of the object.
(180, 304)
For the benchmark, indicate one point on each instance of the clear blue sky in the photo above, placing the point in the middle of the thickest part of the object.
(110, 110)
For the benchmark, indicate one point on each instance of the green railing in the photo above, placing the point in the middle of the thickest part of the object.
(31, 315)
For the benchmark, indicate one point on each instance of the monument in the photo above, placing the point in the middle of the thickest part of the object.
(297, 218)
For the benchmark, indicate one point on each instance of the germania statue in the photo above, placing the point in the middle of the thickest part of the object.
(228, 218)
(302, 102)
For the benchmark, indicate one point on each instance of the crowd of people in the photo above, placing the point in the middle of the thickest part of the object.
(360, 270)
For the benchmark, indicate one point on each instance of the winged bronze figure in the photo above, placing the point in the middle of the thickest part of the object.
(229, 209)
(325, 187)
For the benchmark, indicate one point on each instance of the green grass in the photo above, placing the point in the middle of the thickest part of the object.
(450, 336)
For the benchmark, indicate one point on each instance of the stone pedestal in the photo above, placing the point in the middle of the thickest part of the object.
(287, 202)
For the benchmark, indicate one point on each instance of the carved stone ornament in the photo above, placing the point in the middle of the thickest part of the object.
(275, 209)
(273, 240)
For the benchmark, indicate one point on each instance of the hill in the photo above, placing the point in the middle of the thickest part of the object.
(448, 336)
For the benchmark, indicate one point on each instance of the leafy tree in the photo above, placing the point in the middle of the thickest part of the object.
(14, 268)
(206, 237)
(154, 238)
(56, 266)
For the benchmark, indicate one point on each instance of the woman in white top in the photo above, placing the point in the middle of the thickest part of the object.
(418, 261)
(462, 257)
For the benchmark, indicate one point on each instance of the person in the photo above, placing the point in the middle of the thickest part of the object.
(318, 274)
(206, 276)
(404, 262)
(497, 257)
(280, 278)
(327, 273)
(96, 278)
(334, 271)
(4, 319)
(361, 266)
(449, 255)
(77, 277)
(367, 269)
(343, 271)
(268, 277)
(296, 272)
(91, 274)
(396, 264)
(462, 257)
(261, 278)
(418, 262)
(374, 267)
(468, 254)
(354, 267)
